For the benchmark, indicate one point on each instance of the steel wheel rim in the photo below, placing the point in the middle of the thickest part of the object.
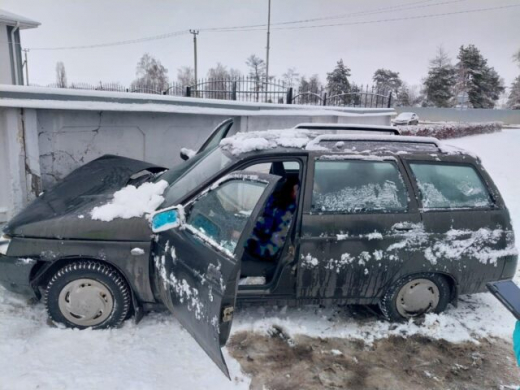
(86, 302)
(417, 297)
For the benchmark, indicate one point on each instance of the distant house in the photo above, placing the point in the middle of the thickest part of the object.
(11, 70)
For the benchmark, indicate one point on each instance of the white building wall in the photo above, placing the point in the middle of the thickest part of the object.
(5, 58)
(13, 190)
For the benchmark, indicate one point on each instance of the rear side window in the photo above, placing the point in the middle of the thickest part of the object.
(358, 187)
(450, 186)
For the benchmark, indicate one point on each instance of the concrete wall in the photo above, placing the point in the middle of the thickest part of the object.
(43, 138)
(19, 162)
(509, 117)
(68, 139)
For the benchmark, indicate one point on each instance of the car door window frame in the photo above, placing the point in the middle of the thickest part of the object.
(307, 209)
(213, 187)
(302, 159)
(228, 123)
(494, 204)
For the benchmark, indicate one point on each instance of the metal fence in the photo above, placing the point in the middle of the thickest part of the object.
(251, 89)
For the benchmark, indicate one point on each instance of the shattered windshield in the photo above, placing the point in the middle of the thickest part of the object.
(188, 175)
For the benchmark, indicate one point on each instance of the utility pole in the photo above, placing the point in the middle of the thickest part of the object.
(195, 33)
(26, 64)
(268, 39)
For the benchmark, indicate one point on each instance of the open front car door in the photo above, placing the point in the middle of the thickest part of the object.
(198, 252)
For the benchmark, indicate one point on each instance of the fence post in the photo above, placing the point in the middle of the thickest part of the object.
(390, 99)
(289, 95)
(234, 91)
(188, 91)
(324, 99)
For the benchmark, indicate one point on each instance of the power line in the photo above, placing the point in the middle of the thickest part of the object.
(117, 43)
(381, 20)
(398, 7)
(262, 26)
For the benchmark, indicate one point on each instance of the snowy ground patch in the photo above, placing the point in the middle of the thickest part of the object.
(159, 354)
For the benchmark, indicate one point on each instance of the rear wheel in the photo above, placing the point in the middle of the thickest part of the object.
(414, 296)
(87, 294)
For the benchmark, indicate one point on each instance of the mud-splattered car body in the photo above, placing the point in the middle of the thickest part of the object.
(347, 243)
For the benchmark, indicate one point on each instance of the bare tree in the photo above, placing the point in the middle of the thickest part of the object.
(219, 83)
(234, 73)
(61, 75)
(442, 58)
(151, 75)
(257, 72)
(185, 76)
(256, 67)
(291, 77)
(516, 57)
(218, 72)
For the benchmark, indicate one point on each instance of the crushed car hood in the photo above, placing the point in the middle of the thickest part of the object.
(64, 210)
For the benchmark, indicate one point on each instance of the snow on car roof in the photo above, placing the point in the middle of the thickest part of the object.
(241, 143)
(268, 139)
(405, 115)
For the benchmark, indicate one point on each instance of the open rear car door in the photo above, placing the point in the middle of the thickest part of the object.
(198, 253)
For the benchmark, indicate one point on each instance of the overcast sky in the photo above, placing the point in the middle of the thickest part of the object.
(404, 46)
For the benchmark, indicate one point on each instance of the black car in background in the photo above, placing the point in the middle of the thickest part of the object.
(376, 218)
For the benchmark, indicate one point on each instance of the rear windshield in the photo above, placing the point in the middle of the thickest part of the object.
(450, 186)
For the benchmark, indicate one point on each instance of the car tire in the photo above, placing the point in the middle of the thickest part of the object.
(87, 294)
(401, 302)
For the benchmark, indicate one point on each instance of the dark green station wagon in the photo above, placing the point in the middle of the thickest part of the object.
(357, 215)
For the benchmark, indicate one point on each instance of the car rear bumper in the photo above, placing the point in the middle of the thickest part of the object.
(15, 275)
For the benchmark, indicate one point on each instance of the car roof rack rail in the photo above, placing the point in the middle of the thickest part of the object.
(354, 128)
(315, 143)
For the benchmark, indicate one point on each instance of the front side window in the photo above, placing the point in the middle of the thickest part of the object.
(221, 214)
(351, 186)
(449, 186)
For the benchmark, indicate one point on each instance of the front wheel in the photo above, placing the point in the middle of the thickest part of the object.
(414, 296)
(87, 294)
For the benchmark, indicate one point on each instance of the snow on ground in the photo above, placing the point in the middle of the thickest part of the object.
(159, 354)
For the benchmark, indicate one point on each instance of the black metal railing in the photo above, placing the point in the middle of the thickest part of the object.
(251, 89)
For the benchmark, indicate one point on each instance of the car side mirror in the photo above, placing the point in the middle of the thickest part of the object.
(167, 219)
(186, 153)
